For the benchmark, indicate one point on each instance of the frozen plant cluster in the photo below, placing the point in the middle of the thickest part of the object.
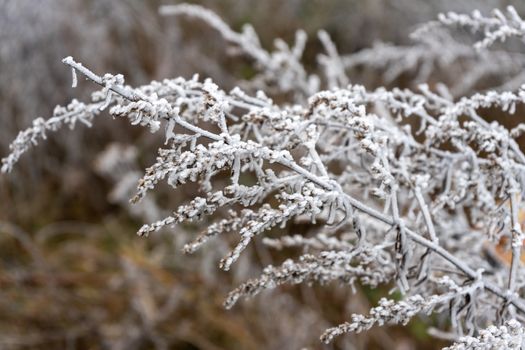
(411, 190)
(508, 336)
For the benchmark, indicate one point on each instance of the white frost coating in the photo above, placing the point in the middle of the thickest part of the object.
(499, 27)
(509, 337)
(388, 205)
(74, 78)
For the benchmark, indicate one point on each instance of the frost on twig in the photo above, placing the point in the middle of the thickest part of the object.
(71, 114)
(392, 312)
(282, 67)
(498, 27)
(366, 265)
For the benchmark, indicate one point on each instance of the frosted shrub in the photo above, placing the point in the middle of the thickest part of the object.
(410, 190)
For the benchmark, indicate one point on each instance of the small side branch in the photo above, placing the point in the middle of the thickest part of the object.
(517, 243)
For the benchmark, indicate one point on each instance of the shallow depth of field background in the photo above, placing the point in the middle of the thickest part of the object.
(73, 274)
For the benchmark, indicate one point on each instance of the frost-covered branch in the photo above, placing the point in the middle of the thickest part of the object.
(498, 27)
(286, 160)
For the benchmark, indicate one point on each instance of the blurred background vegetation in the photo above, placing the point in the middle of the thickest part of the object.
(73, 274)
